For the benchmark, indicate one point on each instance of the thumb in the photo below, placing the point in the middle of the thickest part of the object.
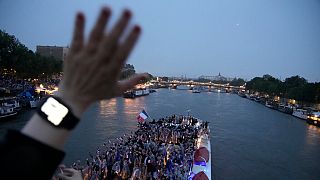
(131, 82)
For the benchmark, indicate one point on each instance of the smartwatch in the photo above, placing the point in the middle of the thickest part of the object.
(57, 113)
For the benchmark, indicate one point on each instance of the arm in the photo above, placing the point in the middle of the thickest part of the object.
(91, 73)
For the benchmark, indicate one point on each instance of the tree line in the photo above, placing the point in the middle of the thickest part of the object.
(21, 62)
(294, 87)
(26, 63)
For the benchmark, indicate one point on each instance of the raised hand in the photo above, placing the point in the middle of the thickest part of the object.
(92, 69)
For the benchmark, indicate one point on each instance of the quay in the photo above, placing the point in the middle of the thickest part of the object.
(309, 114)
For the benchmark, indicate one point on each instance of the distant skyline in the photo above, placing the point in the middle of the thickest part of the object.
(243, 39)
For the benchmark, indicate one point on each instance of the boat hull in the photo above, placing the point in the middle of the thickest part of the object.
(7, 112)
(8, 115)
(183, 87)
(136, 93)
(300, 114)
(314, 118)
(202, 143)
(313, 122)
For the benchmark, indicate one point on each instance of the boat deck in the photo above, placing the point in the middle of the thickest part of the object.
(203, 141)
(163, 149)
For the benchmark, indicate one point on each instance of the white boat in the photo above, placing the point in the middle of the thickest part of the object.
(11, 102)
(314, 118)
(203, 166)
(141, 92)
(195, 90)
(219, 90)
(184, 87)
(285, 108)
(269, 105)
(300, 113)
(33, 103)
(138, 93)
(6, 111)
(145, 92)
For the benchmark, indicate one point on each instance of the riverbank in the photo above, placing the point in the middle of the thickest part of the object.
(310, 113)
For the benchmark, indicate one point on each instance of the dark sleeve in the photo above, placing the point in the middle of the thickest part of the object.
(25, 158)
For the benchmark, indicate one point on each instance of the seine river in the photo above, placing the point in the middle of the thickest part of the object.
(249, 141)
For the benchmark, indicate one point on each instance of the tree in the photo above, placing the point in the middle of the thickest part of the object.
(294, 87)
(265, 84)
(295, 81)
(15, 55)
(237, 82)
(27, 64)
(127, 71)
(12, 52)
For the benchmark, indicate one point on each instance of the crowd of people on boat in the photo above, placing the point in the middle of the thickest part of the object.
(160, 149)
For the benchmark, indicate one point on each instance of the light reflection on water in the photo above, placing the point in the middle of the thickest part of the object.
(312, 135)
(129, 108)
(133, 106)
(108, 108)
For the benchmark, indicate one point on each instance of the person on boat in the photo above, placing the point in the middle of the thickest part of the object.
(149, 155)
(90, 73)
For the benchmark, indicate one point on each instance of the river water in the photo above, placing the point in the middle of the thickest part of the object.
(249, 141)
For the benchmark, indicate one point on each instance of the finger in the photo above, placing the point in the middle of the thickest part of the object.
(111, 41)
(78, 37)
(127, 84)
(64, 177)
(98, 30)
(67, 173)
(70, 170)
(124, 49)
(62, 166)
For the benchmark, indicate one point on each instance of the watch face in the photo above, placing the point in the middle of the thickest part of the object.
(54, 110)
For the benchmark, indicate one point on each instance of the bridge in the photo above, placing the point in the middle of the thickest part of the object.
(209, 85)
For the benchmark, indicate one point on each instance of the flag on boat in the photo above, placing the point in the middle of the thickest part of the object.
(142, 116)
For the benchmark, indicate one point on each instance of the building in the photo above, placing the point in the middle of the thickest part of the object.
(216, 78)
(59, 53)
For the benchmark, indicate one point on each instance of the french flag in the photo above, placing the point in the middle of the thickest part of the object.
(142, 116)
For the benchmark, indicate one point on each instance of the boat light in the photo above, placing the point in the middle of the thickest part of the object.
(200, 163)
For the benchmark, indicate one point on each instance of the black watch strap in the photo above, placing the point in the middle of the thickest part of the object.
(69, 121)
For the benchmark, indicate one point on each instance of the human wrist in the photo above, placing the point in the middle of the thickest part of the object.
(42, 131)
(77, 107)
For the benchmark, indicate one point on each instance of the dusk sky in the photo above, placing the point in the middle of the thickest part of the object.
(238, 38)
